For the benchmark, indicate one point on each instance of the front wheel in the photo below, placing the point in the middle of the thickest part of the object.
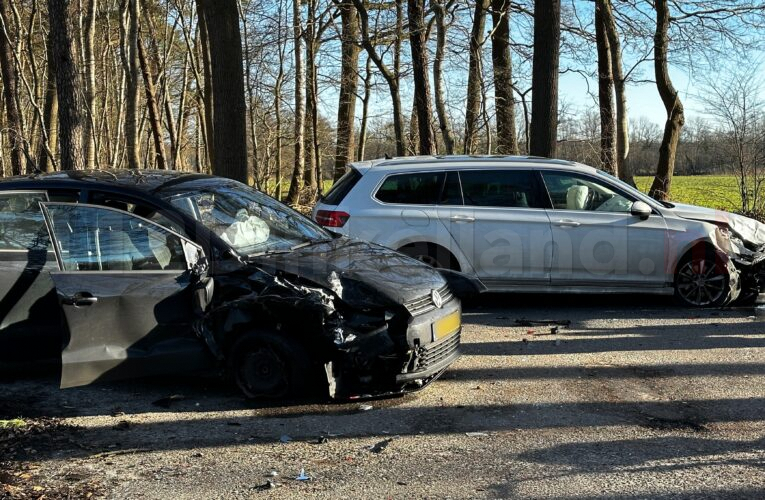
(269, 366)
(702, 282)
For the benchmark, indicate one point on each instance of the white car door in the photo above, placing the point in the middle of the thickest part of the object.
(597, 241)
(503, 227)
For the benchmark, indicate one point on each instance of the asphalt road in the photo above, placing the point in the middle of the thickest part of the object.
(637, 398)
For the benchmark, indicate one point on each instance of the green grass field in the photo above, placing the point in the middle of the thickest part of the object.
(714, 191)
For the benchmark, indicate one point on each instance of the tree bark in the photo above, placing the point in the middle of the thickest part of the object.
(360, 154)
(10, 89)
(229, 121)
(605, 92)
(439, 11)
(311, 152)
(662, 183)
(475, 79)
(507, 140)
(622, 121)
(154, 113)
(71, 105)
(90, 85)
(132, 68)
(543, 136)
(49, 141)
(419, 46)
(346, 109)
(293, 196)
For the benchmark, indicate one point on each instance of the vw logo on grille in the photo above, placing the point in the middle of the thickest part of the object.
(437, 300)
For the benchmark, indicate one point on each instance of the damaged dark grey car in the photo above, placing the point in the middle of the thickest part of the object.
(164, 272)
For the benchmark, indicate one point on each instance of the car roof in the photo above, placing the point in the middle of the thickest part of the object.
(463, 161)
(148, 181)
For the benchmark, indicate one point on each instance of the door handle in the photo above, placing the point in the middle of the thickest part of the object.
(462, 218)
(568, 223)
(82, 299)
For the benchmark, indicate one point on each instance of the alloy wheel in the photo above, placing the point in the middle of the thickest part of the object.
(701, 282)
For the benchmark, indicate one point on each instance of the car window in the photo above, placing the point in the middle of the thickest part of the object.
(137, 208)
(100, 239)
(452, 193)
(422, 188)
(500, 188)
(574, 192)
(21, 221)
(342, 187)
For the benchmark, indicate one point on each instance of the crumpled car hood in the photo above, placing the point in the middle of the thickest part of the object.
(361, 274)
(748, 230)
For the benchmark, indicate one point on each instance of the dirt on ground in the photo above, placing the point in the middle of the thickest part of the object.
(635, 398)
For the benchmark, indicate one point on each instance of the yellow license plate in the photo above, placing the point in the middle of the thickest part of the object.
(446, 326)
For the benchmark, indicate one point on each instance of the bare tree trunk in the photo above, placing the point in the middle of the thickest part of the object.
(419, 45)
(293, 196)
(229, 120)
(154, 113)
(543, 137)
(131, 65)
(14, 123)
(439, 11)
(622, 122)
(71, 106)
(49, 140)
(311, 106)
(208, 94)
(365, 111)
(391, 76)
(507, 140)
(90, 84)
(605, 92)
(346, 109)
(660, 189)
(475, 78)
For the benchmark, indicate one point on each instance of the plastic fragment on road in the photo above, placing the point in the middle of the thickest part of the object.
(543, 322)
(285, 438)
(365, 407)
(303, 476)
(476, 434)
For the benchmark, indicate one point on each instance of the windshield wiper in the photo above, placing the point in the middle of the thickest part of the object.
(310, 242)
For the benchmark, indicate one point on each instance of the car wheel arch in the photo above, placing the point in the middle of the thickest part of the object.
(433, 249)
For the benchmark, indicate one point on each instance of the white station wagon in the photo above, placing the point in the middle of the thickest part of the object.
(527, 224)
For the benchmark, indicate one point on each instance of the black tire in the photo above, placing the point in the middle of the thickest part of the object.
(702, 280)
(432, 255)
(269, 365)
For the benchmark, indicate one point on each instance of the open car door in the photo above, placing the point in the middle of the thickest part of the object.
(127, 287)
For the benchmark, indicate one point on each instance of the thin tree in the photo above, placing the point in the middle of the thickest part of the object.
(418, 44)
(154, 113)
(507, 141)
(623, 167)
(14, 123)
(475, 78)
(71, 106)
(439, 15)
(605, 92)
(543, 135)
(390, 75)
(662, 182)
(293, 196)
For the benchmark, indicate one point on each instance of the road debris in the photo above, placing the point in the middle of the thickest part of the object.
(543, 322)
(379, 447)
(303, 476)
(285, 438)
(366, 407)
(476, 434)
